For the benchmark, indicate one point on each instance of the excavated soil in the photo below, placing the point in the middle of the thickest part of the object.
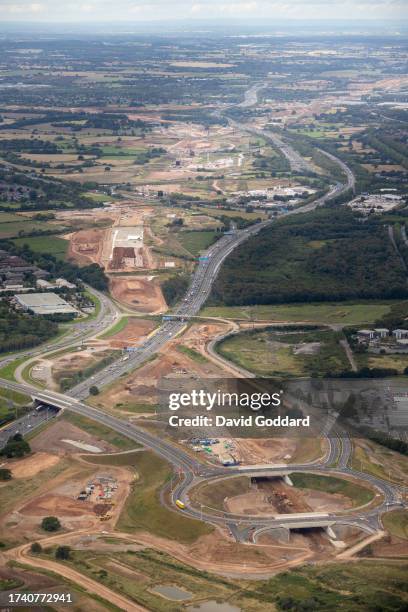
(141, 293)
(85, 246)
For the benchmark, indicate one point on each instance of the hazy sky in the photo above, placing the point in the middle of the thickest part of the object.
(138, 10)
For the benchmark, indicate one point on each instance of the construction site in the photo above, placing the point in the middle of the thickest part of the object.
(100, 491)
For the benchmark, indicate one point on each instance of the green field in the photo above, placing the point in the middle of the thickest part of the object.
(396, 522)
(14, 396)
(143, 509)
(118, 327)
(13, 229)
(379, 461)
(135, 574)
(6, 217)
(358, 494)
(12, 225)
(195, 242)
(397, 362)
(192, 353)
(8, 370)
(52, 245)
(100, 431)
(112, 151)
(342, 313)
(268, 353)
(345, 587)
(98, 197)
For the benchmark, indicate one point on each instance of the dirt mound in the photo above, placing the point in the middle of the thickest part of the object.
(142, 293)
(30, 466)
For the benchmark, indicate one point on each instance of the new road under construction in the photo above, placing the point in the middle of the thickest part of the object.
(192, 471)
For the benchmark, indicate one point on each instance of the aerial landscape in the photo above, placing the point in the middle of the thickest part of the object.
(193, 204)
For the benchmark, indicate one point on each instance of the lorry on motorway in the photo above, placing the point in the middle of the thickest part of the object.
(180, 504)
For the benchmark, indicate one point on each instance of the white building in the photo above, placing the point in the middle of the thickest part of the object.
(61, 282)
(382, 332)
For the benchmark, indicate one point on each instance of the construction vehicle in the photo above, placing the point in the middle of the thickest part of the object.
(106, 517)
(180, 504)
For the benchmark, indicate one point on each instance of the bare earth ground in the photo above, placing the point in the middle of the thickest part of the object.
(32, 465)
(59, 499)
(86, 246)
(391, 547)
(274, 496)
(50, 440)
(135, 331)
(264, 451)
(141, 293)
(141, 386)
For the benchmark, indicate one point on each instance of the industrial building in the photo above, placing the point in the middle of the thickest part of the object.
(44, 304)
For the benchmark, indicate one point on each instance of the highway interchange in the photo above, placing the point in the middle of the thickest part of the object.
(190, 469)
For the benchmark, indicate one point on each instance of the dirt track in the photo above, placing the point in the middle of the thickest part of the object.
(20, 555)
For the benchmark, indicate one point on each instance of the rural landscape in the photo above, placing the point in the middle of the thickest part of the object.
(185, 205)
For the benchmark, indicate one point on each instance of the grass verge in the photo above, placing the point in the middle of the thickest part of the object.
(358, 494)
(143, 509)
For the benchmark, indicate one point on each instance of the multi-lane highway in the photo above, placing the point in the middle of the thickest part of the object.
(76, 332)
(194, 472)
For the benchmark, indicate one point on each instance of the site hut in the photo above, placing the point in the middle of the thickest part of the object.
(382, 332)
(399, 334)
(365, 335)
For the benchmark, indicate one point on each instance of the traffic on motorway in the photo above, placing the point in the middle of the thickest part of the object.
(192, 470)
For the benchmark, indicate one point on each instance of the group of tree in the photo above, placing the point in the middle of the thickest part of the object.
(5, 474)
(62, 552)
(324, 255)
(15, 447)
(175, 287)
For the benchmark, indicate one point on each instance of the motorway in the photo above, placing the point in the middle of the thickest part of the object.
(191, 469)
(194, 472)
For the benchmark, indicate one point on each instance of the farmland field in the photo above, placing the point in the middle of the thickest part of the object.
(45, 244)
